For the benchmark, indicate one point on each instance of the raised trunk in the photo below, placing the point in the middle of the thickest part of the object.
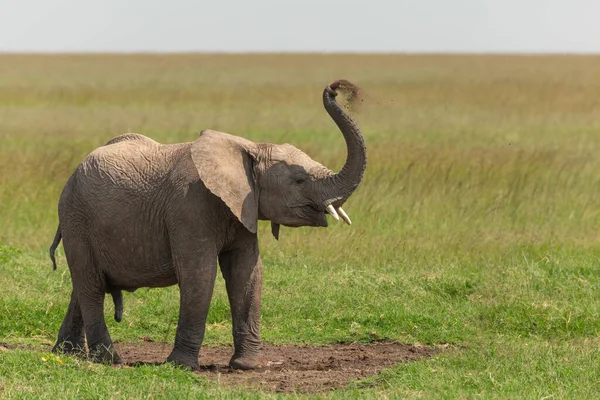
(336, 188)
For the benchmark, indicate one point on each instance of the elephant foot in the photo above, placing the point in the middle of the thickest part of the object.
(244, 363)
(70, 346)
(104, 354)
(184, 360)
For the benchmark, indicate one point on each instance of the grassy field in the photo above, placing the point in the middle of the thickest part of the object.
(477, 225)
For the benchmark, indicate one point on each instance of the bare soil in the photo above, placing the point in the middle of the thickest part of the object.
(287, 368)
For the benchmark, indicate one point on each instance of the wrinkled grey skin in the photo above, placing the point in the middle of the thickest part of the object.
(137, 213)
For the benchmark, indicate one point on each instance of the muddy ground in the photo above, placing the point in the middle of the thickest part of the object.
(285, 368)
(288, 368)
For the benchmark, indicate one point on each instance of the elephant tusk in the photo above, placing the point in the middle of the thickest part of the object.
(344, 216)
(331, 211)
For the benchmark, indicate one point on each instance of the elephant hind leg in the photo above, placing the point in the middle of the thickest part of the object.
(89, 287)
(71, 338)
(99, 343)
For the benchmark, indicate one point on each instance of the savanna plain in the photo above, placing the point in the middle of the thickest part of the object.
(476, 231)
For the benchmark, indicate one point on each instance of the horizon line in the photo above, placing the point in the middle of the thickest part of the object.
(286, 52)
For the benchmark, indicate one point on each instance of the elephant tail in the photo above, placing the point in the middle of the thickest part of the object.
(54, 245)
(117, 296)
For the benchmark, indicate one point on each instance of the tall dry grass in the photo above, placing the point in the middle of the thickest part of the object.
(464, 151)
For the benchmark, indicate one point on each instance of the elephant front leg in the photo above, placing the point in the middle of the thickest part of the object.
(196, 282)
(242, 270)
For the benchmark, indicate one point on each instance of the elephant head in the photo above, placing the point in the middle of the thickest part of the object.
(281, 183)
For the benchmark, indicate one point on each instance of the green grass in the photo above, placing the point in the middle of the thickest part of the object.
(477, 224)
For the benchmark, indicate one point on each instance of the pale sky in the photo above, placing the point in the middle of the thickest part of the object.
(546, 26)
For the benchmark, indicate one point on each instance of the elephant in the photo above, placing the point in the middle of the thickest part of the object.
(137, 213)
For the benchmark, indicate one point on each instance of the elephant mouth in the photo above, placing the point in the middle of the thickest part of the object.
(331, 210)
(321, 217)
(307, 215)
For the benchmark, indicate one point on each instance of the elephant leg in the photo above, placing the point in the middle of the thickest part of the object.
(100, 347)
(89, 288)
(196, 276)
(71, 338)
(242, 270)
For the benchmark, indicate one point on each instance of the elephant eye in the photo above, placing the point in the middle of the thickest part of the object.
(300, 181)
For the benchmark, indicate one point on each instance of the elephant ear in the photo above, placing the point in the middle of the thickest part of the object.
(225, 164)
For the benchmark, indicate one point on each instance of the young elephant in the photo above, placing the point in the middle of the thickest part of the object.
(137, 213)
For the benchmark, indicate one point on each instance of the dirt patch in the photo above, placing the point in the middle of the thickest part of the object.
(290, 368)
(7, 347)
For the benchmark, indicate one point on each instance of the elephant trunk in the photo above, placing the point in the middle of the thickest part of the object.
(334, 190)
